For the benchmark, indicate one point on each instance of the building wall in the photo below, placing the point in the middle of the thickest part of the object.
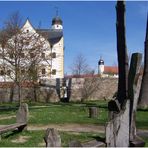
(78, 89)
(49, 64)
(58, 62)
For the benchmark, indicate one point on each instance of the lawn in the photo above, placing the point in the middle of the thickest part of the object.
(59, 113)
(35, 138)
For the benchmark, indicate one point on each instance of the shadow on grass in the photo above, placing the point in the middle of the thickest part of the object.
(10, 134)
(143, 109)
(142, 124)
(3, 109)
(98, 138)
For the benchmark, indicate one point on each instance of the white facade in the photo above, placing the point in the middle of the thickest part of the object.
(57, 26)
(52, 64)
(100, 69)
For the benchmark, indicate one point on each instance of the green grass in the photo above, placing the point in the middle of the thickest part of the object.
(35, 138)
(60, 113)
(146, 141)
(142, 119)
(65, 114)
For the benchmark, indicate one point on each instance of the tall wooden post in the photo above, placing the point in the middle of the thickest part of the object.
(144, 87)
(119, 102)
(122, 53)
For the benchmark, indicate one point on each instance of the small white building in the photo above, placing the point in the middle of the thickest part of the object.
(107, 71)
(100, 67)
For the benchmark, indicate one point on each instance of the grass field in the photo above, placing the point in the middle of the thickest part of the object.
(58, 113)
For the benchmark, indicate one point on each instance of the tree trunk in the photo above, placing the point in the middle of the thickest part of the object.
(35, 93)
(19, 92)
(11, 93)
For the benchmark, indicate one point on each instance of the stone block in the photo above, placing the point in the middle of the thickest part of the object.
(52, 138)
(22, 114)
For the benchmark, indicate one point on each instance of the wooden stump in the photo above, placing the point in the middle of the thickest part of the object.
(93, 112)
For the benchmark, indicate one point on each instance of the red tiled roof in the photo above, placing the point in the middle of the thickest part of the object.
(110, 69)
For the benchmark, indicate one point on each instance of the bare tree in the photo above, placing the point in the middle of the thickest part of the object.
(90, 86)
(80, 66)
(21, 52)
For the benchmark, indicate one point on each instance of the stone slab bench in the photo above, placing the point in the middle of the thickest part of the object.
(21, 120)
(91, 143)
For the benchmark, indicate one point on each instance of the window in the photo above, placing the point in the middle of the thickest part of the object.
(54, 72)
(8, 72)
(43, 55)
(27, 30)
(22, 55)
(43, 71)
(27, 42)
(53, 55)
(2, 72)
(22, 71)
(11, 55)
(32, 55)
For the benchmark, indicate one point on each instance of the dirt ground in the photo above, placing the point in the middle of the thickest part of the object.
(70, 127)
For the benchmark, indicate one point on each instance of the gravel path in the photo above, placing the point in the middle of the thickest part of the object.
(70, 127)
(80, 128)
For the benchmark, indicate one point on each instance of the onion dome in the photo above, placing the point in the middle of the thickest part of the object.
(57, 20)
(101, 62)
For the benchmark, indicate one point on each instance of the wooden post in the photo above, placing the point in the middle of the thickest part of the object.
(93, 112)
(134, 83)
(122, 53)
(143, 99)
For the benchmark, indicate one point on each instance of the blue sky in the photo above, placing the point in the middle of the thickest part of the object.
(89, 27)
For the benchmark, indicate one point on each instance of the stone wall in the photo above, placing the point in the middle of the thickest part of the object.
(78, 89)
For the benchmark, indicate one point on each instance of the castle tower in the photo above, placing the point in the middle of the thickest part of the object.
(57, 23)
(57, 48)
(100, 66)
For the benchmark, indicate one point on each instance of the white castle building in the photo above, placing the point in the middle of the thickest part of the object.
(51, 63)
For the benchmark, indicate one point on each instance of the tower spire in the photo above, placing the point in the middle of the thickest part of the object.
(57, 21)
(57, 11)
